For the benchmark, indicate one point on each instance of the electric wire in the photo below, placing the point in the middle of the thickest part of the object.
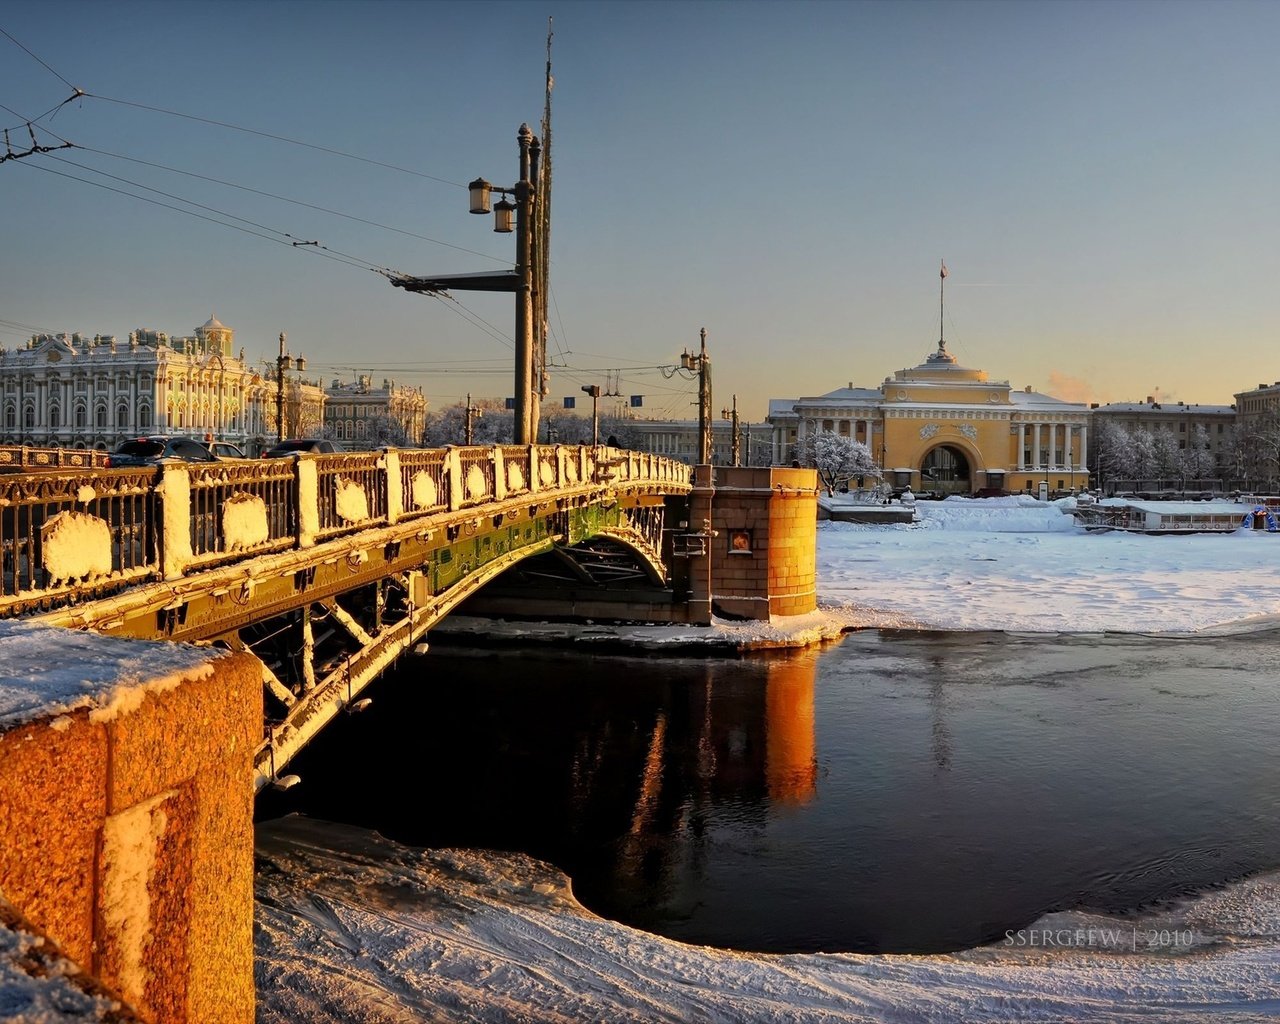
(295, 202)
(314, 250)
(37, 60)
(272, 135)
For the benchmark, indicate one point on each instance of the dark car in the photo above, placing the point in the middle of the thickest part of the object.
(303, 446)
(150, 451)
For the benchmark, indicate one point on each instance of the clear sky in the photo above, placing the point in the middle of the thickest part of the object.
(1101, 179)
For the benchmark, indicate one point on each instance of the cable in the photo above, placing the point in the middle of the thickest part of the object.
(38, 60)
(191, 213)
(278, 138)
(295, 202)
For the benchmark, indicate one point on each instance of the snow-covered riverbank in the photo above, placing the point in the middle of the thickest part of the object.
(355, 928)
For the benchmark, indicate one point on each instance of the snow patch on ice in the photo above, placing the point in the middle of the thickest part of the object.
(353, 927)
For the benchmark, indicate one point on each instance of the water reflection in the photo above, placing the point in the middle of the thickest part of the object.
(901, 792)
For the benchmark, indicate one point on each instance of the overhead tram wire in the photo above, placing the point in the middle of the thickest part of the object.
(37, 60)
(295, 202)
(277, 138)
(314, 250)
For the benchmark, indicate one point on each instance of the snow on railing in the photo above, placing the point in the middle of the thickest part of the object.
(72, 533)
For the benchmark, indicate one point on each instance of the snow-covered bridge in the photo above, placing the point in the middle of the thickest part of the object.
(328, 566)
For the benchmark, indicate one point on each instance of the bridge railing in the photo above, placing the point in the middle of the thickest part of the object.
(66, 534)
(351, 491)
(16, 458)
(422, 482)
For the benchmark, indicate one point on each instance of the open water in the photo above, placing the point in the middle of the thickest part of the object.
(897, 792)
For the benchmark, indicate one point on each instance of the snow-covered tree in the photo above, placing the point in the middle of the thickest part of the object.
(495, 424)
(837, 458)
(1198, 462)
(1146, 461)
(1169, 462)
(1113, 451)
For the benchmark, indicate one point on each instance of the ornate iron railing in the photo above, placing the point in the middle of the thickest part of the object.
(70, 533)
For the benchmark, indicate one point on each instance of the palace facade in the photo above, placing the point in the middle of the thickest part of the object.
(943, 427)
(73, 391)
(360, 415)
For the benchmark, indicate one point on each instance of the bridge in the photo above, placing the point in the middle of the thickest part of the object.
(312, 573)
(328, 567)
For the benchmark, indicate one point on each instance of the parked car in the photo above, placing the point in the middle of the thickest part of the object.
(223, 450)
(151, 451)
(303, 446)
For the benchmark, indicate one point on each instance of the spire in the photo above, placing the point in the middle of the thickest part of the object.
(942, 279)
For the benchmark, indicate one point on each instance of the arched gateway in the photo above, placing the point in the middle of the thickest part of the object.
(946, 469)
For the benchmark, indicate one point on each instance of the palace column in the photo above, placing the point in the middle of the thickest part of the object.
(1022, 446)
(1084, 447)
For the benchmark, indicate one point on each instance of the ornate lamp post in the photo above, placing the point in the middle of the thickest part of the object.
(736, 437)
(284, 361)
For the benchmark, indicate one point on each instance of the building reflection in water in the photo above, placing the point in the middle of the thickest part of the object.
(737, 745)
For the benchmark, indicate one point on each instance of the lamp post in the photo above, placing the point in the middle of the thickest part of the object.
(526, 412)
(284, 361)
(594, 391)
(736, 436)
(701, 364)
(473, 414)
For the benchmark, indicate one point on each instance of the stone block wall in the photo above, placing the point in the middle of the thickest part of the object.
(128, 838)
(764, 556)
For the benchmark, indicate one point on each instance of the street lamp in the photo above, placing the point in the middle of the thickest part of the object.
(736, 437)
(521, 211)
(284, 361)
(594, 391)
(701, 364)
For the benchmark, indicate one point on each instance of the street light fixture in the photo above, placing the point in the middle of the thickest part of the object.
(285, 361)
(736, 437)
(594, 391)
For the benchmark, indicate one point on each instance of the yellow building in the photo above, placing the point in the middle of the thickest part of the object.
(947, 428)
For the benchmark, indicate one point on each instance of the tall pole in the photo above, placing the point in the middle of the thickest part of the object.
(737, 436)
(942, 280)
(704, 404)
(281, 361)
(470, 434)
(524, 293)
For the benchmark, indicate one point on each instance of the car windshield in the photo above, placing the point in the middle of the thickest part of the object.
(143, 448)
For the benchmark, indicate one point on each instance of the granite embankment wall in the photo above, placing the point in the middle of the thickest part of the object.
(128, 823)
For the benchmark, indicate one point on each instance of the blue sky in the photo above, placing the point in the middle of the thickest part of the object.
(1100, 178)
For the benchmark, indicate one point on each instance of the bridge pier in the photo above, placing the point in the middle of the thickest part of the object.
(129, 820)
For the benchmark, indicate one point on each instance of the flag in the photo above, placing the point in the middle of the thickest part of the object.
(637, 401)
(944, 269)
(570, 402)
(511, 403)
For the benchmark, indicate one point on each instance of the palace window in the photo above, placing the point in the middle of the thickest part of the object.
(100, 417)
(82, 417)
(122, 417)
(55, 418)
(29, 418)
(10, 417)
(144, 418)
